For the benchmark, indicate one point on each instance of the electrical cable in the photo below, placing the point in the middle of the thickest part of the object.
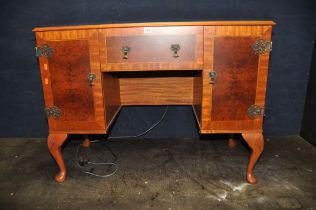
(146, 131)
(86, 161)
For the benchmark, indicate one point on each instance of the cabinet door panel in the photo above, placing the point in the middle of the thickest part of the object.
(235, 88)
(65, 81)
(68, 69)
(241, 78)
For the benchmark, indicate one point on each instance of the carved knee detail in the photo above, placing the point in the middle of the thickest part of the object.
(259, 144)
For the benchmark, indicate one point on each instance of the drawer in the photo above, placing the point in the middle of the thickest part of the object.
(151, 48)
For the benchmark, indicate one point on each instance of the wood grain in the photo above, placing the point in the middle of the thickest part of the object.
(151, 51)
(154, 48)
(156, 88)
(197, 97)
(235, 88)
(69, 67)
(112, 100)
(210, 34)
(156, 24)
(206, 87)
(263, 69)
(77, 53)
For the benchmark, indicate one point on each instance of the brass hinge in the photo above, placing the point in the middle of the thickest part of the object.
(91, 78)
(262, 46)
(44, 50)
(212, 75)
(255, 111)
(54, 112)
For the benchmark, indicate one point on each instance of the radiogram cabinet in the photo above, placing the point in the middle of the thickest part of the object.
(219, 68)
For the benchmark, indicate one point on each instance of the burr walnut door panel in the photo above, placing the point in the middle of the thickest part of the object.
(240, 80)
(151, 48)
(65, 81)
(234, 90)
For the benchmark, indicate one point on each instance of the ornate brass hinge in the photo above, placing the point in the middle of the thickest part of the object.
(45, 51)
(54, 112)
(91, 78)
(255, 111)
(262, 46)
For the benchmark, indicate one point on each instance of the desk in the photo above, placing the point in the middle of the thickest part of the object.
(219, 67)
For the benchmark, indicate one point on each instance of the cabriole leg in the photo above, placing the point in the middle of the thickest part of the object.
(54, 143)
(256, 143)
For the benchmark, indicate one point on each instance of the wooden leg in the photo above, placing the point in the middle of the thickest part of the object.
(86, 142)
(232, 142)
(256, 143)
(54, 143)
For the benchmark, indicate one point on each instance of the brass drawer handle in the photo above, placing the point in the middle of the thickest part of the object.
(175, 48)
(91, 78)
(212, 75)
(125, 50)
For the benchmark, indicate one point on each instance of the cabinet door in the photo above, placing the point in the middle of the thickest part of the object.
(73, 101)
(238, 77)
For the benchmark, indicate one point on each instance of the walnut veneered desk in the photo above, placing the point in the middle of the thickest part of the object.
(219, 67)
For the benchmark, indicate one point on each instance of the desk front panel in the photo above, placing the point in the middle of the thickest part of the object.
(219, 107)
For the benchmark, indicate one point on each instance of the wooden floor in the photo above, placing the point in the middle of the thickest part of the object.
(160, 174)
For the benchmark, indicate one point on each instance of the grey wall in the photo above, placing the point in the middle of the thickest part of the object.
(21, 107)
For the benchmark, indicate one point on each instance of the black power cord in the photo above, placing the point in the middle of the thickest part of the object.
(86, 162)
(146, 131)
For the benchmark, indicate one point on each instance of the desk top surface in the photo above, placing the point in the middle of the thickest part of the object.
(156, 24)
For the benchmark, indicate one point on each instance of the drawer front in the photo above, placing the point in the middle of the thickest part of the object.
(151, 48)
